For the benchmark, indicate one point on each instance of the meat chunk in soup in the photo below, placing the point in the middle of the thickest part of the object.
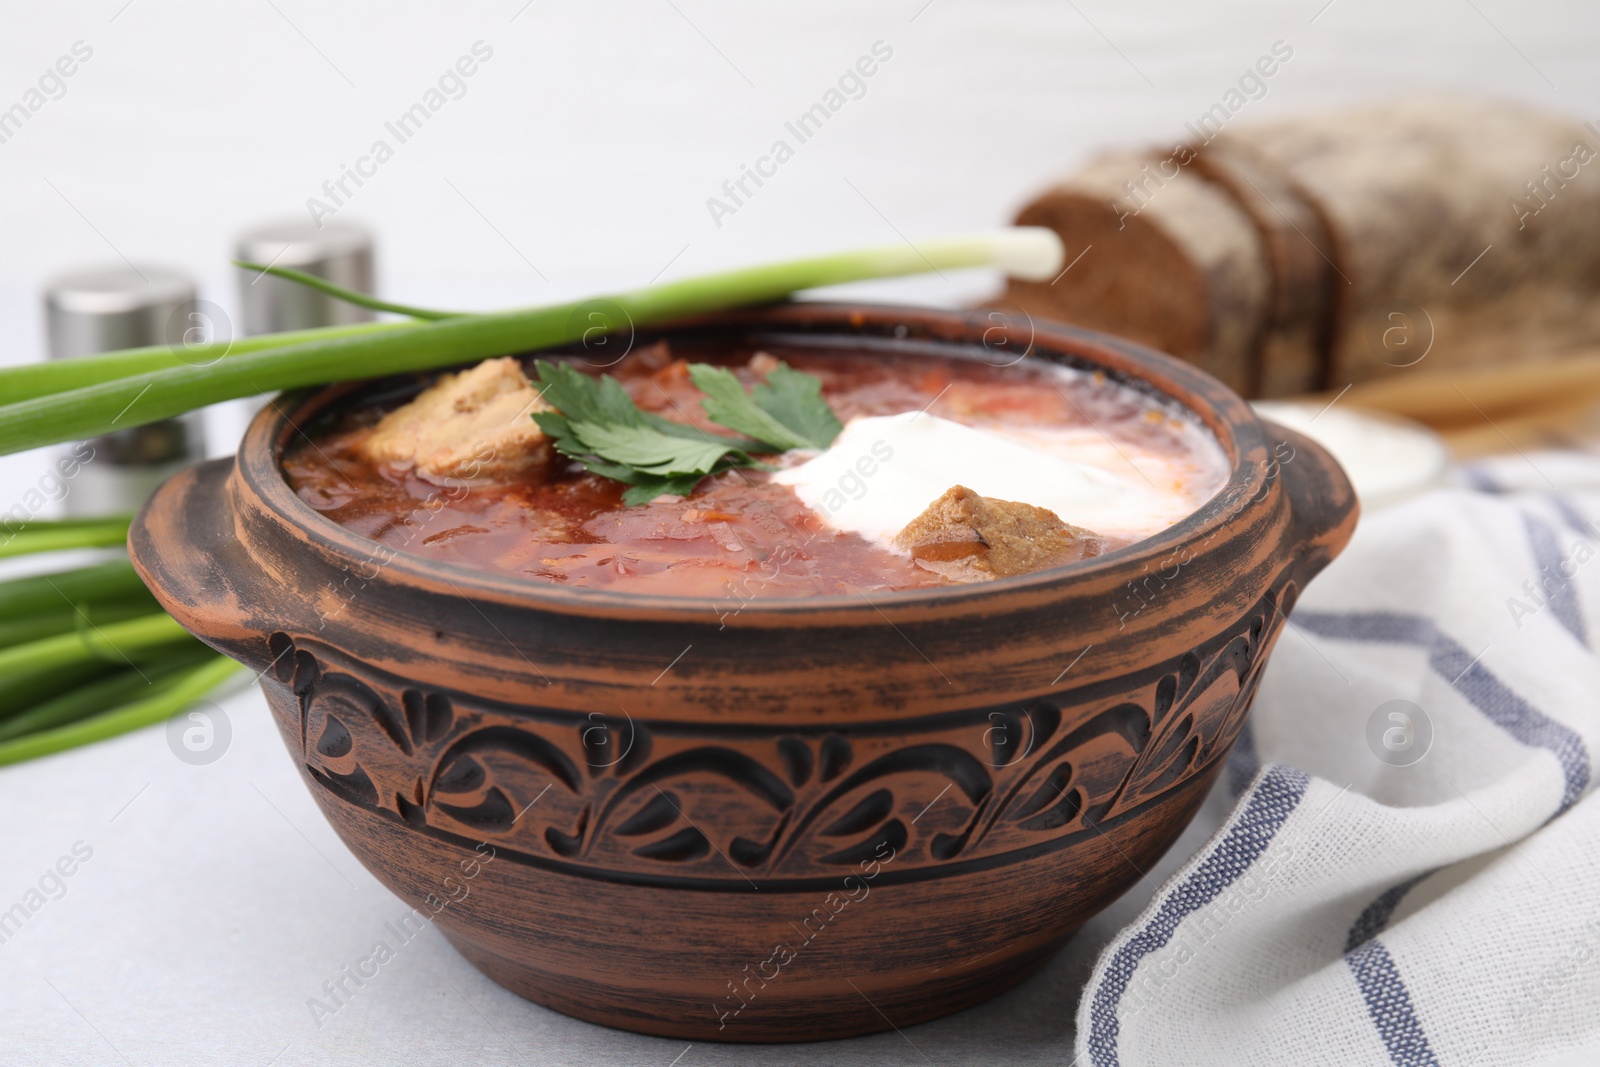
(477, 424)
(966, 537)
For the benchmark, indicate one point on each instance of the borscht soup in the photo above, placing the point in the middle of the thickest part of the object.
(710, 470)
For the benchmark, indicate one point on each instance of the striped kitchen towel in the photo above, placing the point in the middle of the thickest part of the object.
(1411, 874)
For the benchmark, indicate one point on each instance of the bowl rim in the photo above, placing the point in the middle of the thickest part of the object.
(1216, 408)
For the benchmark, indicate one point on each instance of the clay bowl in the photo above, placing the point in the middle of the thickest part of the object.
(770, 821)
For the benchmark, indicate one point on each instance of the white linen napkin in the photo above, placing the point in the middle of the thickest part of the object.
(1411, 875)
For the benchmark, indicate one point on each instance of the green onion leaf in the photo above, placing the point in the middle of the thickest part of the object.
(349, 296)
(36, 625)
(28, 669)
(99, 695)
(74, 399)
(40, 536)
(167, 699)
(115, 580)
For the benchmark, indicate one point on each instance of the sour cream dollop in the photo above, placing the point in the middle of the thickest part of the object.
(883, 471)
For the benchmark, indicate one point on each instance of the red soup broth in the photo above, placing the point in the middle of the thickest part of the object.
(739, 534)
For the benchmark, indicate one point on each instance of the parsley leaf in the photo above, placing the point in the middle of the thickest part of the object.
(647, 489)
(647, 449)
(602, 401)
(794, 398)
(728, 404)
(785, 411)
(597, 423)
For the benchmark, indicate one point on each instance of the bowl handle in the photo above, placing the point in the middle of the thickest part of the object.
(1322, 503)
(186, 545)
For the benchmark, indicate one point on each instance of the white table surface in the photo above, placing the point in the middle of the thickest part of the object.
(217, 900)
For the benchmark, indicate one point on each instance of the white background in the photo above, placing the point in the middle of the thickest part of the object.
(580, 159)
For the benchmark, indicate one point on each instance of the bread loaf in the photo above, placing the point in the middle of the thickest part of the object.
(1429, 234)
(1137, 219)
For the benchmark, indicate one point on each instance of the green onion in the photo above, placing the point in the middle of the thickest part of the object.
(167, 699)
(32, 627)
(52, 536)
(349, 296)
(31, 380)
(68, 410)
(21, 691)
(12, 527)
(115, 642)
(33, 670)
(100, 694)
(40, 592)
(89, 643)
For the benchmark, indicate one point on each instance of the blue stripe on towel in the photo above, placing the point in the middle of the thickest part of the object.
(1374, 919)
(1390, 1006)
(1376, 976)
(1570, 515)
(1480, 480)
(1379, 980)
(1275, 796)
(1483, 690)
(1563, 599)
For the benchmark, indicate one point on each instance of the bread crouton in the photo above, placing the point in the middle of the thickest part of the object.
(966, 537)
(475, 425)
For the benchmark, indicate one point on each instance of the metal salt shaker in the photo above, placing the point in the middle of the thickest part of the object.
(337, 252)
(101, 310)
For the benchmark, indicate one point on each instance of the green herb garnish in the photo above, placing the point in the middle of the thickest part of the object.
(597, 423)
(785, 411)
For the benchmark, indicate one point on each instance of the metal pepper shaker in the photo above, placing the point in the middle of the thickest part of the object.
(337, 252)
(101, 310)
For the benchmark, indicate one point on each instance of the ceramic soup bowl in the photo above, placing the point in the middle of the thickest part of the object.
(762, 820)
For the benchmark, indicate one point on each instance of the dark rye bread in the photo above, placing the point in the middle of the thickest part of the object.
(1291, 354)
(1184, 273)
(1414, 192)
(1363, 221)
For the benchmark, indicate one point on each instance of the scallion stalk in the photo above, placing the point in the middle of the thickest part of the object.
(114, 580)
(349, 296)
(78, 411)
(36, 625)
(54, 536)
(31, 380)
(111, 654)
(94, 697)
(169, 698)
(32, 670)
(115, 641)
